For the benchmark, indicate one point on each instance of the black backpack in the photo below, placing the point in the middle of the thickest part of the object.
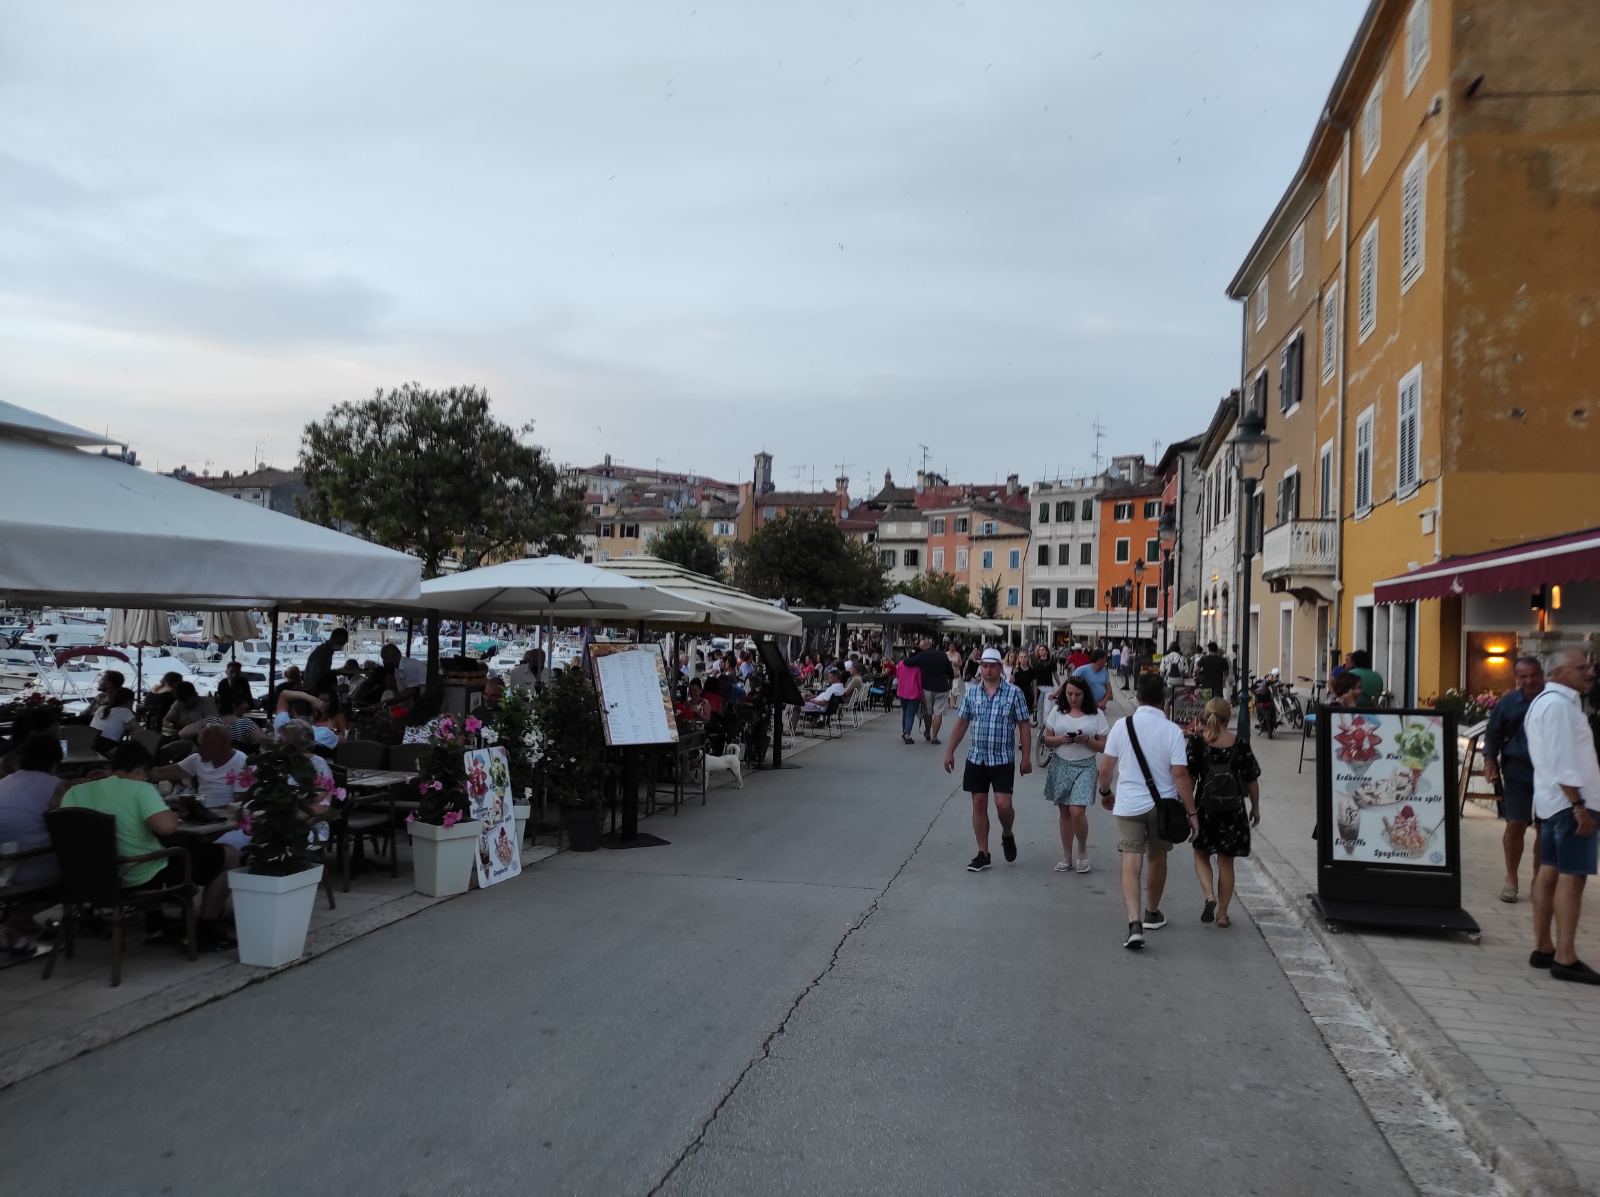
(1220, 791)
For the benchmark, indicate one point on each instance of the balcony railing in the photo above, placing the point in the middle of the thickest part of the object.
(1303, 548)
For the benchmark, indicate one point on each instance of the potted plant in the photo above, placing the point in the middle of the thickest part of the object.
(443, 833)
(285, 801)
(566, 716)
(514, 730)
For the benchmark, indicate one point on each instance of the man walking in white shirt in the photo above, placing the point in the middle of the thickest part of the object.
(1161, 743)
(1566, 778)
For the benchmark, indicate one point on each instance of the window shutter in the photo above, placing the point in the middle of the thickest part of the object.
(1407, 472)
(1367, 297)
(1412, 198)
(1364, 463)
(1330, 331)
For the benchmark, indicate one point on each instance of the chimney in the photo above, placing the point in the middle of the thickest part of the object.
(608, 461)
(841, 484)
(1011, 484)
(922, 480)
(888, 480)
(705, 507)
(763, 473)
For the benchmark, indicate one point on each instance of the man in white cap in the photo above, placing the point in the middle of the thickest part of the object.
(998, 714)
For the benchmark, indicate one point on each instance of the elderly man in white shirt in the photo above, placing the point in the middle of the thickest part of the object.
(1566, 779)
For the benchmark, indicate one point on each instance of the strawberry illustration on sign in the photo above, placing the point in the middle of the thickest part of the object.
(1358, 741)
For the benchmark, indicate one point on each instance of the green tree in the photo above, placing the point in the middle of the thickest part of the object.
(805, 557)
(685, 541)
(941, 589)
(989, 599)
(430, 472)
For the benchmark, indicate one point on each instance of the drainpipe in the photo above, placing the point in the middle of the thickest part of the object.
(1344, 364)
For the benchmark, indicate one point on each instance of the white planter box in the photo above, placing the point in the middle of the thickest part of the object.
(272, 914)
(521, 812)
(443, 857)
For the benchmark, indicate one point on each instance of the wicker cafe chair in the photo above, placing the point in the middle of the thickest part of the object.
(85, 842)
(353, 822)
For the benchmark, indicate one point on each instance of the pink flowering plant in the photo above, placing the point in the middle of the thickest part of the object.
(442, 785)
(285, 799)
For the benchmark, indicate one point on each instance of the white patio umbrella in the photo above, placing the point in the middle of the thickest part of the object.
(727, 606)
(552, 588)
(228, 627)
(138, 627)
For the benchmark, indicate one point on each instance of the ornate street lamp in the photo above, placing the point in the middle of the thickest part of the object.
(1251, 449)
(1136, 593)
(1167, 531)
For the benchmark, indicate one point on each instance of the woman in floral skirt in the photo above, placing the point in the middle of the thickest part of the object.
(1075, 730)
(1224, 824)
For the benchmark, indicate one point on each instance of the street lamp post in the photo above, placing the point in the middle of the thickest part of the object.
(1251, 448)
(1167, 531)
(1110, 596)
(1135, 596)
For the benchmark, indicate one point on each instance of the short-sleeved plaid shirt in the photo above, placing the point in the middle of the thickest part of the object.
(992, 721)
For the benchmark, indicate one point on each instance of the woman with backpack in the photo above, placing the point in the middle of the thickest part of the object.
(1225, 772)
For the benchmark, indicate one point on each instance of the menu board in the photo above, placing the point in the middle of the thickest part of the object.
(1390, 799)
(633, 695)
(489, 791)
(1188, 703)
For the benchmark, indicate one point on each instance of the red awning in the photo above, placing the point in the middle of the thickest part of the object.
(1561, 559)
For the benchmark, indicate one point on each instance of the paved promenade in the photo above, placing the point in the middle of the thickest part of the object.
(804, 992)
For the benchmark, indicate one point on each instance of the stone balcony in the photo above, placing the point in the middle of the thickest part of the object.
(1301, 554)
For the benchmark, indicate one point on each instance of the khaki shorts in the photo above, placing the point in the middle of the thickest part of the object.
(1137, 834)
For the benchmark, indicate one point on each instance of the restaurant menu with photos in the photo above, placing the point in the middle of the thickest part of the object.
(1390, 800)
(634, 695)
(489, 791)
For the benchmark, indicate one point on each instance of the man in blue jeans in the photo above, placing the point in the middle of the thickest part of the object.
(1566, 778)
(998, 715)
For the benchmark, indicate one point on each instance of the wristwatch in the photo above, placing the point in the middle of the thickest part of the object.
(1105, 793)
(1577, 802)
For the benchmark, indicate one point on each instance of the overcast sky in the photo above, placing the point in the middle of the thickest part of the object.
(672, 230)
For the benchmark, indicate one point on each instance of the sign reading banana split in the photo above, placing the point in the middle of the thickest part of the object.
(1388, 845)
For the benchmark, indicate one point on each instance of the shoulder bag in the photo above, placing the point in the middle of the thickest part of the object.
(1172, 821)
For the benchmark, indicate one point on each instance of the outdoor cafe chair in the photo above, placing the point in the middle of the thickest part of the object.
(85, 843)
(351, 822)
(80, 737)
(33, 893)
(826, 720)
(409, 758)
(149, 740)
(361, 754)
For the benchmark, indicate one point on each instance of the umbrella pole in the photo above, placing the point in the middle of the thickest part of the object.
(140, 682)
(409, 626)
(272, 656)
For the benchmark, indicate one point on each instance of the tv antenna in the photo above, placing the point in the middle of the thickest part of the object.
(1099, 431)
(924, 449)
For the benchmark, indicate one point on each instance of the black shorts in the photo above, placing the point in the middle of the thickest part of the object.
(205, 862)
(980, 779)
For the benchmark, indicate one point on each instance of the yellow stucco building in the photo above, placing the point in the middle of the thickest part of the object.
(1449, 207)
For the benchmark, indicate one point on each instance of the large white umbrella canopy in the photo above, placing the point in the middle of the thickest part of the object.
(726, 606)
(77, 526)
(555, 588)
(902, 608)
(138, 626)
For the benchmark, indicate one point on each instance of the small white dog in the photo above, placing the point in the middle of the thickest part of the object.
(729, 762)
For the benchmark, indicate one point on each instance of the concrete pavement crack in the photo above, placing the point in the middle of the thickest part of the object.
(765, 1053)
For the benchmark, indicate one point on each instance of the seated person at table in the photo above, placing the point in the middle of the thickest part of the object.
(24, 797)
(291, 681)
(208, 767)
(530, 673)
(405, 676)
(494, 693)
(112, 718)
(818, 702)
(310, 710)
(160, 699)
(187, 708)
(243, 731)
(38, 721)
(233, 687)
(693, 704)
(141, 816)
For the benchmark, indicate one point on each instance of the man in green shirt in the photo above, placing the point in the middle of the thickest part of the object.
(142, 816)
(1371, 680)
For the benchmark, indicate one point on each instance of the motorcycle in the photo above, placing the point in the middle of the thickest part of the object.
(1265, 700)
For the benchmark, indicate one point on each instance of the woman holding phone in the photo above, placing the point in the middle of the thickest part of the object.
(1075, 730)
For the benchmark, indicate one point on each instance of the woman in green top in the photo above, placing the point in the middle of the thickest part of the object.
(142, 817)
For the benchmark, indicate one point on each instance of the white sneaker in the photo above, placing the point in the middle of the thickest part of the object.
(1063, 866)
(1083, 863)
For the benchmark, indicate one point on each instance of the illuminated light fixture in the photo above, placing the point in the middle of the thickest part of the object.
(1555, 598)
(1496, 658)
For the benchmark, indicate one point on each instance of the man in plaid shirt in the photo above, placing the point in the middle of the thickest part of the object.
(997, 713)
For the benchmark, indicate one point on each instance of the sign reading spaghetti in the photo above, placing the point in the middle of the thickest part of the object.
(489, 792)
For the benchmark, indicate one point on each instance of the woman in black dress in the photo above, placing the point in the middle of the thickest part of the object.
(1217, 757)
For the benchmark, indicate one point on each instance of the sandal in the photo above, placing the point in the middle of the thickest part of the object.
(1208, 913)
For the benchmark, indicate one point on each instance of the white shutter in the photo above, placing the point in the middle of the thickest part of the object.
(1261, 303)
(1413, 195)
(1367, 296)
(1297, 255)
(1417, 43)
(1364, 461)
(1372, 126)
(1330, 331)
(1408, 424)
(1332, 197)
(1325, 483)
